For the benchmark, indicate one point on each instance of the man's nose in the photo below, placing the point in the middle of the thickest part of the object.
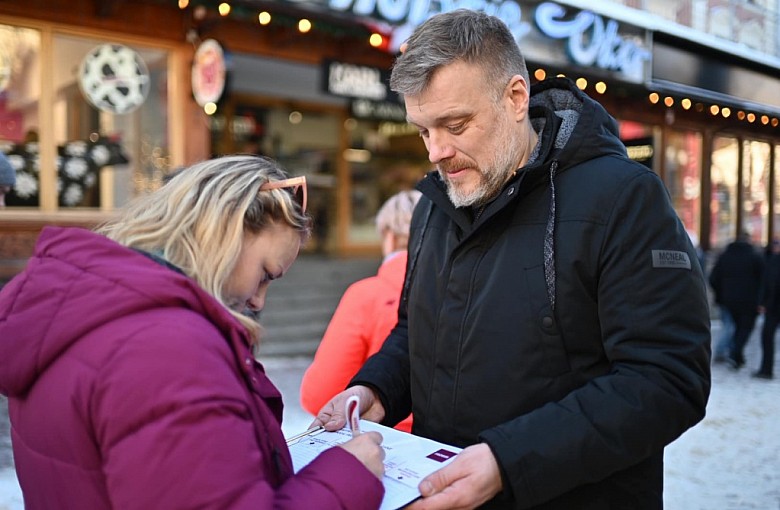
(439, 148)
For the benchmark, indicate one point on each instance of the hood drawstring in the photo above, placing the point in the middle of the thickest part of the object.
(549, 240)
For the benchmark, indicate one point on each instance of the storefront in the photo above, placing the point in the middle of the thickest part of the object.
(315, 97)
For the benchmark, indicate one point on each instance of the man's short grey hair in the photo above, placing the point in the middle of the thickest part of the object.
(461, 35)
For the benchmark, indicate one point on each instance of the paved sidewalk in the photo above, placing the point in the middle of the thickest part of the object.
(730, 461)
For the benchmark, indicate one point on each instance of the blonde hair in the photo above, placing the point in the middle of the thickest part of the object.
(396, 213)
(197, 220)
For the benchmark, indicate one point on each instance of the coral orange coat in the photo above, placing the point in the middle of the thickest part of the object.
(367, 312)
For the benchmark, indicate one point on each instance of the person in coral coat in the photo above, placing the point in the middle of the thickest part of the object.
(128, 356)
(367, 312)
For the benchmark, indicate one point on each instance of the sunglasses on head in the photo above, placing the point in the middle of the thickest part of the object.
(297, 186)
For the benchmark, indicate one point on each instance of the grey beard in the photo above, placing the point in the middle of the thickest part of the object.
(493, 177)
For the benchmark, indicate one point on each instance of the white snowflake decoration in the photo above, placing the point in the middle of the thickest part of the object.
(114, 78)
(26, 185)
(72, 195)
(78, 149)
(75, 168)
(100, 155)
(16, 161)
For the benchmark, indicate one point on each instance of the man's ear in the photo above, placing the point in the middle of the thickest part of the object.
(519, 94)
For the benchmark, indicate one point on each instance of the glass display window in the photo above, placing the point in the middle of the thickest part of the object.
(776, 209)
(755, 190)
(723, 200)
(105, 104)
(682, 175)
(110, 104)
(20, 86)
(384, 158)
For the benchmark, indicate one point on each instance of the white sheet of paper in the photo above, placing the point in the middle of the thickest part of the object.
(408, 458)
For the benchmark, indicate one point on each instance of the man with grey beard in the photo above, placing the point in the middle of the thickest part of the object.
(554, 320)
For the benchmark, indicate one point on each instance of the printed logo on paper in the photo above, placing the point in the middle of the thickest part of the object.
(441, 455)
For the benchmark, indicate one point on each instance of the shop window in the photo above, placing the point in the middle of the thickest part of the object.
(115, 95)
(723, 200)
(755, 184)
(639, 141)
(20, 86)
(384, 158)
(776, 222)
(304, 142)
(108, 124)
(682, 174)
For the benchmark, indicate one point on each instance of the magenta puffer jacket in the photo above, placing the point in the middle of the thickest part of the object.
(130, 387)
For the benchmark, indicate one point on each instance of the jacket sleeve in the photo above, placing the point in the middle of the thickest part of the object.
(171, 418)
(656, 337)
(342, 351)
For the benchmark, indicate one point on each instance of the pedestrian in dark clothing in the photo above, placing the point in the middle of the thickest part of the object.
(554, 321)
(770, 305)
(736, 280)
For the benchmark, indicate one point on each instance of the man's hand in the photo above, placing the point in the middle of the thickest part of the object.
(332, 417)
(467, 482)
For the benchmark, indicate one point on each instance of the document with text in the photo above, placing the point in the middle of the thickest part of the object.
(408, 458)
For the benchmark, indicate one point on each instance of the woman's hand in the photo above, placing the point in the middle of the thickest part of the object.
(368, 450)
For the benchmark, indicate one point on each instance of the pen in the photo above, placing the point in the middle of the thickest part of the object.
(305, 433)
(353, 414)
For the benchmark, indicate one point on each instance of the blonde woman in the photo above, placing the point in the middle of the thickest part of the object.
(127, 356)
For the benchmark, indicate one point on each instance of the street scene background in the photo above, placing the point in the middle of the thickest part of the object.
(729, 461)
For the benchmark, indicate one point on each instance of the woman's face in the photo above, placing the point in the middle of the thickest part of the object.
(264, 257)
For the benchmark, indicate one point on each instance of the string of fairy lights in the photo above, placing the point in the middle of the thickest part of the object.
(201, 9)
(687, 104)
(304, 25)
(713, 109)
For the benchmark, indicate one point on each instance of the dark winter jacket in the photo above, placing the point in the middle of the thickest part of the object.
(770, 285)
(130, 387)
(736, 278)
(567, 327)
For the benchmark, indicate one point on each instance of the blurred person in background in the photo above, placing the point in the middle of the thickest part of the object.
(770, 307)
(128, 356)
(366, 314)
(736, 280)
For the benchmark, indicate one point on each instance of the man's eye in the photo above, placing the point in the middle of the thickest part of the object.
(423, 133)
(457, 128)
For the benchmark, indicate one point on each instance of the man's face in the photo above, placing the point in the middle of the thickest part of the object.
(474, 142)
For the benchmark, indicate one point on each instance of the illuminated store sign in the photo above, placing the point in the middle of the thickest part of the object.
(377, 110)
(591, 41)
(408, 14)
(546, 31)
(209, 73)
(351, 80)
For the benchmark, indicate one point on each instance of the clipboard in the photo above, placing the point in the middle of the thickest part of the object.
(408, 458)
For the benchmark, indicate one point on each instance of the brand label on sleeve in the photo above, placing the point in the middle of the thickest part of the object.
(671, 259)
